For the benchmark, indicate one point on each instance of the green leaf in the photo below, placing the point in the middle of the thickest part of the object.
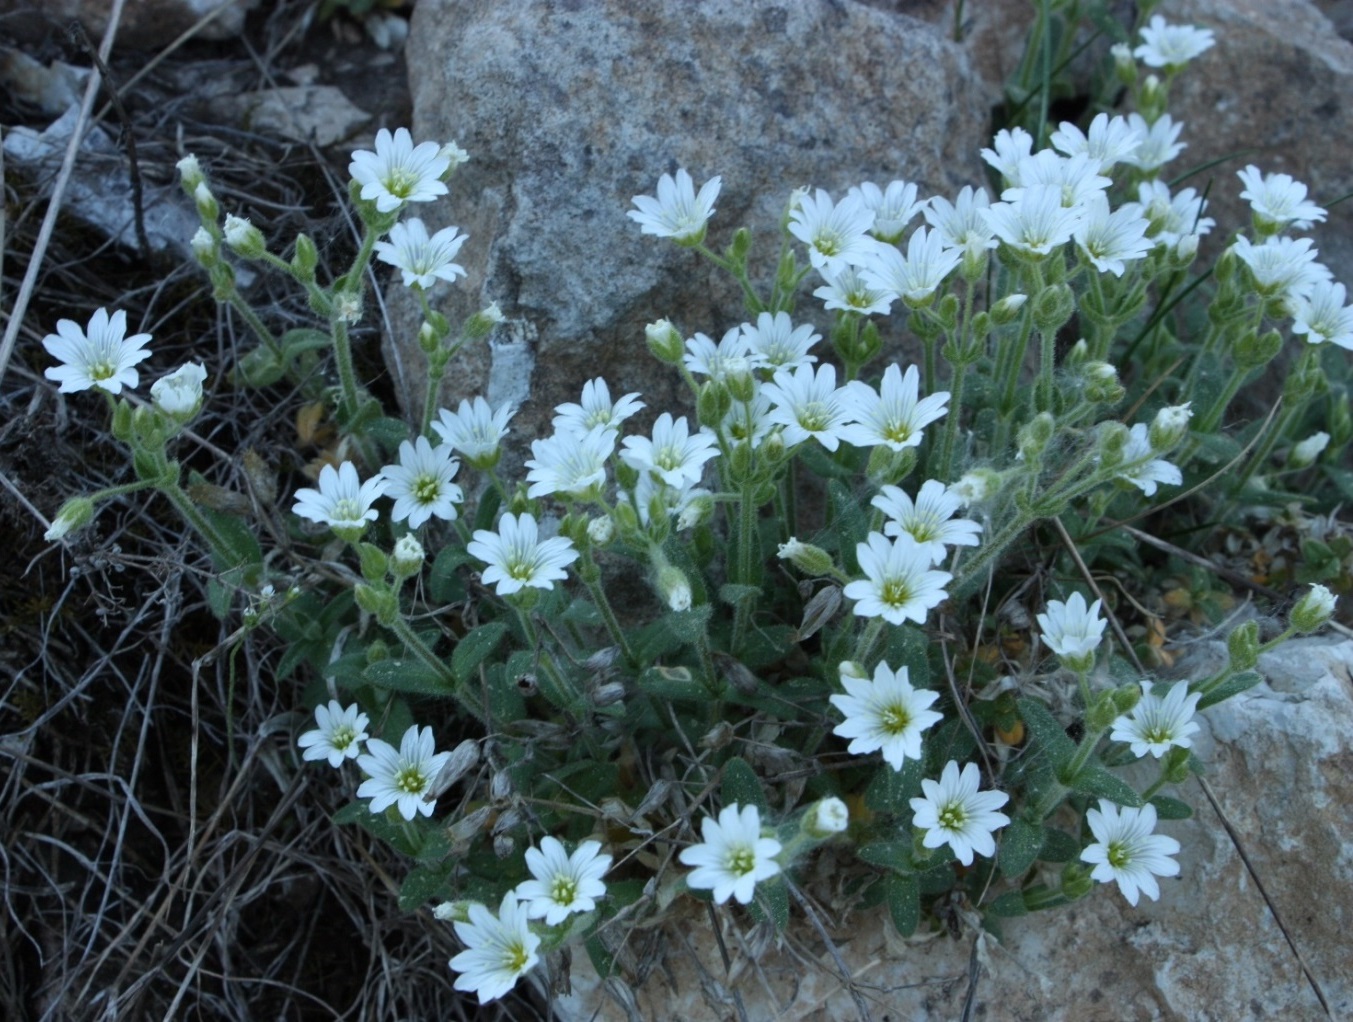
(219, 599)
(422, 885)
(1095, 780)
(1046, 732)
(1232, 686)
(904, 902)
(772, 902)
(891, 790)
(909, 647)
(1009, 906)
(388, 432)
(474, 648)
(489, 502)
(740, 784)
(1171, 808)
(603, 962)
(732, 594)
(303, 339)
(1020, 844)
(891, 855)
(349, 813)
(407, 675)
(1058, 846)
(674, 683)
(444, 582)
(849, 523)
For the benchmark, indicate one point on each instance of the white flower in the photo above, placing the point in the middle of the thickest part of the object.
(421, 483)
(919, 274)
(886, 713)
(776, 343)
(1037, 223)
(1313, 610)
(563, 884)
(705, 358)
(929, 519)
(747, 421)
(837, 235)
(1159, 142)
(398, 171)
(899, 585)
(849, 292)
(1012, 147)
(339, 736)
(98, 356)
(476, 430)
(342, 500)
(893, 209)
(572, 464)
(1171, 46)
(1111, 140)
(517, 557)
(499, 949)
(1282, 267)
(1071, 630)
(1322, 317)
(1111, 240)
(1156, 724)
(402, 778)
(961, 223)
(407, 557)
(421, 259)
(1278, 200)
(595, 410)
(455, 156)
(674, 455)
(895, 415)
(243, 237)
(1075, 177)
(807, 404)
(955, 813)
(1173, 218)
(678, 212)
(733, 855)
(976, 486)
(1141, 468)
(179, 394)
(1127, 851)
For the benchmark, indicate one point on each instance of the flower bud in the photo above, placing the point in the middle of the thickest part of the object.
(179, 394)
(1125, 697)
(190, 173)
(1034, 436)
(1008, 308)
(739, 380)
(826, 818)
(1255, 350)
(697, 511)
(244, 238)
(674, 588)
(1305, 380)
(208, 209)
(600, 530)
(609, 694)
(626, 520)
(481, 324)
(74, 514)
(407, 557)
(1076, 881)
(979, 485)
(664, 342)
(1113, 439)
(851, 669)
(1152, 97)
(206, 249)
(1170, 426)
(348, 306)
(1053, 307)
(1174, 766)
(1124, 65)
(304, 259)
(809, 559)
(773, 450)
(455, 157)
(1242, 646)
(1312, 610)
(713, 403)
(1101, 383)
(1184, 252)
(1308, 450)
(428, 341)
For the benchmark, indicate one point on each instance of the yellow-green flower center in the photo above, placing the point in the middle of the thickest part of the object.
(952, 817)
(102, 370)
(895, 593)
(342, 737)
(1118, 855)
(741, 860)
(897, 432)
(426, 489)
(814, 416)
(895, 720)
(411, 781)
(515, 957)
(400, 182)
(564, 890)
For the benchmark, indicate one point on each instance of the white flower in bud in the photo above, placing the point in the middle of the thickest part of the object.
(1308, 450)
(1313, 609)
(179, 395)
(827, 817)
(454, 156)
(190, 172)
(407, 557)
(203, 245)
(1170, 426)
(976, 486)
(601, 530)
(348, 306)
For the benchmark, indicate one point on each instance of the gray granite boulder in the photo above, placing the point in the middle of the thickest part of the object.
(570, 109)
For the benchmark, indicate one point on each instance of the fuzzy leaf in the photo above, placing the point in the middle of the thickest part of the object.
(904, 902)
(1046, 732)
(474, 648)
(741, 785)
(1020, 844)
(1232, 686)
(1095, 780)
(406, 675)
(422, 885)
(1171, 808)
